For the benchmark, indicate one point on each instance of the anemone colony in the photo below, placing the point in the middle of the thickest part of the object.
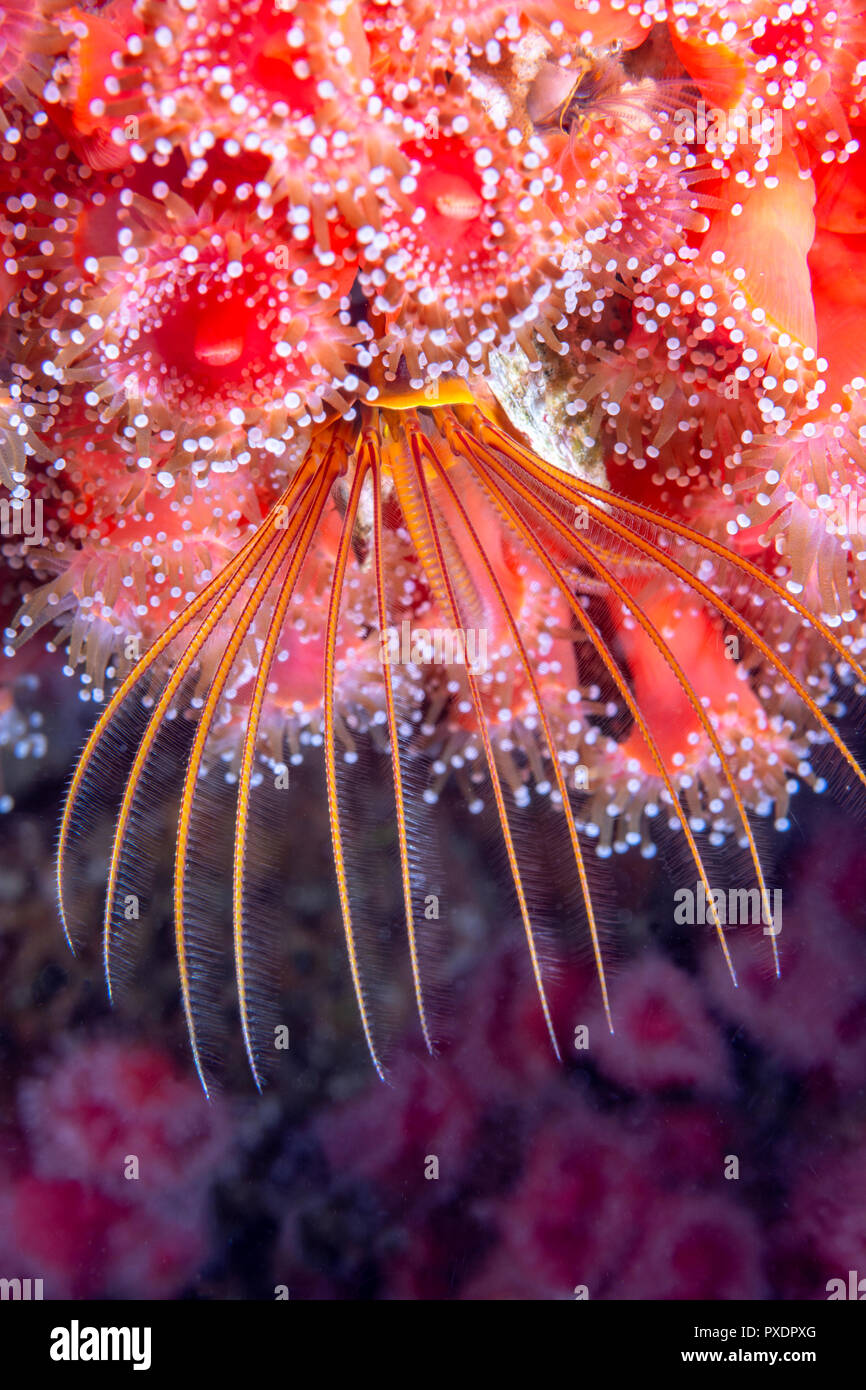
(330, 320)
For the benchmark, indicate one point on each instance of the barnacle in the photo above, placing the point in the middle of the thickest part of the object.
(449, 472)
(417, 390)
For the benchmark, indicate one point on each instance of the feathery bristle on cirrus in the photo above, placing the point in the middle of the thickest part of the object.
(396, 489)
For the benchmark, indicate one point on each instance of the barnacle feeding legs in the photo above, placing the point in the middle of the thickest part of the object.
(430, 476)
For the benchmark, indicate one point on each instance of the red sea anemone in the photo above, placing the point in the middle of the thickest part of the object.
(467, 263)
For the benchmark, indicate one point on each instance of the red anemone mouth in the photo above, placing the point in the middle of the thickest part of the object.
(221, 322)
(464, 260)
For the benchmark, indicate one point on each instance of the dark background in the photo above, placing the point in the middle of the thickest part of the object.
(605, 1173)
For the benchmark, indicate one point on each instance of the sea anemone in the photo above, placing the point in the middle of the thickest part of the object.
(468, 264)
(124, 561)
(803, 60)
(209, 326)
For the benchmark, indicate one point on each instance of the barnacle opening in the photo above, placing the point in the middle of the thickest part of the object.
(466, 530)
